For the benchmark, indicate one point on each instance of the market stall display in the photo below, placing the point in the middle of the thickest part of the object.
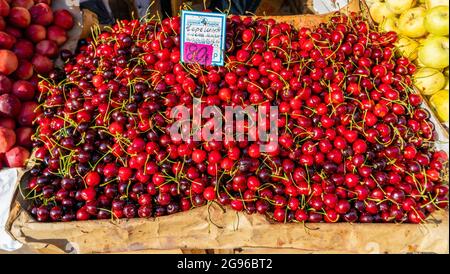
(104, 149)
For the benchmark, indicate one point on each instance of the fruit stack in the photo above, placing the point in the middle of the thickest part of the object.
(423, 27)
(30, 36)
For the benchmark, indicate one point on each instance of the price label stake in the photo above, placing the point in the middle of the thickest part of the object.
(203, 38)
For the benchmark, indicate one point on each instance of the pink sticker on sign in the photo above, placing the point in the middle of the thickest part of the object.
(198, 53)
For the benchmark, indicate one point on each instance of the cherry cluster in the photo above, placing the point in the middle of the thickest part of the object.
(354, 144)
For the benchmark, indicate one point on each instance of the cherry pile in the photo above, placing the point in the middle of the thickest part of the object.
(355, 145)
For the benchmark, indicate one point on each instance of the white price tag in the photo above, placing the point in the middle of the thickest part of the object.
(203, 37)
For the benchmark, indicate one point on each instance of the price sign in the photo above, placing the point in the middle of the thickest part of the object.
(203, 37)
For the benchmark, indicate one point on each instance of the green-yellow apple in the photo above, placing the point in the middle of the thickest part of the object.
(421, 40)
(399, 6)
(379, 11)
(419, 64)
(411, 22)
(389, 24)
(407, 47)
(439, 102)
(371, 2)
(433, 3)
(436, 20)
(429, 80)
(446, 86)
(434, 52)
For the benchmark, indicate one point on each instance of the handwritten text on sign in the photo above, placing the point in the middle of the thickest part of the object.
(198, 53)
(202, 37)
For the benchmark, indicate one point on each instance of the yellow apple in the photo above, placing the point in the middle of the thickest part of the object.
(379, 11)
(407, 47)
(371, 2)
(429, 80)
(389, 24)
(436, 20)
(439, 101)
(399, 6)
(421, 40)
(434, 52)
(419, 64)
(445, 72)
(433, 3)
(411, 22)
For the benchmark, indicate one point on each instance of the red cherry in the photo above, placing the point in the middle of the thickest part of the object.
(92, 178)
(209, 193)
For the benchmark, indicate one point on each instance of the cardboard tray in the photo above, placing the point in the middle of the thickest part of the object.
(209, 227)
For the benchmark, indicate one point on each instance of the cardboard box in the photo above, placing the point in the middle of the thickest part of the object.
(212, 228)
